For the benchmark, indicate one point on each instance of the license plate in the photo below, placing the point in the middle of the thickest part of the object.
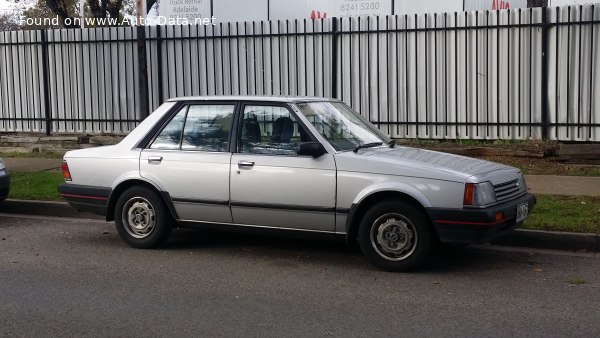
(522, 212)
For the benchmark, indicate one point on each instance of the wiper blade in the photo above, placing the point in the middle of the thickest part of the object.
(368, 145)
(392, 143)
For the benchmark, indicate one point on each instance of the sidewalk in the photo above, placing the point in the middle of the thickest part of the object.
(563, 185)
(32, 164)
(538, 184)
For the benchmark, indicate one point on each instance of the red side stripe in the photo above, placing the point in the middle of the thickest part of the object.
(475, 223)
(88, 197)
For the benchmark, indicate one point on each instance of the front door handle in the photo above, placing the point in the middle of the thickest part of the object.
(154, 159)
(245, 164)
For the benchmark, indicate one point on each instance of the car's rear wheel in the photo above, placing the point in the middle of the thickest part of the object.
(395, 236)
(142, 218)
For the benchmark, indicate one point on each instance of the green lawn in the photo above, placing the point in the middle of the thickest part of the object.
(556, 213)
(565, 213)
(35, 186)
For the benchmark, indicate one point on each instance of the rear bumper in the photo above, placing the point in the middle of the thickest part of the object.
(4, 184)
(86, 198)
(477, 225)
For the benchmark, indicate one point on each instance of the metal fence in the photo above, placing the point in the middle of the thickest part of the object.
(513, 74)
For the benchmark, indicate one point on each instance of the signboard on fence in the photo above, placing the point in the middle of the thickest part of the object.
(185, 9)
(429, 6)
(241, 10)
(318, 9)
(477, 5)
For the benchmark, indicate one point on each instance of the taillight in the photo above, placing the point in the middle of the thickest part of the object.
(65, 171)
(469, 191)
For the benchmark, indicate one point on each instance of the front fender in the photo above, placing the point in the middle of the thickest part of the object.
(399, 187)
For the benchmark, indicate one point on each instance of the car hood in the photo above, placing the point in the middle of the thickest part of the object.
(407, 161)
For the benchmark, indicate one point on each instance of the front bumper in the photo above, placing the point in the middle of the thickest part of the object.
(477, 225)
(4, 184)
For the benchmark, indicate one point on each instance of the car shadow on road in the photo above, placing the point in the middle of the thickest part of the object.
(328, 251)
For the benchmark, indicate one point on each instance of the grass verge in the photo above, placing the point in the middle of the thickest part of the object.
(565, 213)
(41, 185)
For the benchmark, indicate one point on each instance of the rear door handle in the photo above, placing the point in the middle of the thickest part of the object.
(154, 159)
(245, 164)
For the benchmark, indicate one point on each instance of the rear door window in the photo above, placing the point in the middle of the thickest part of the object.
(199, 128)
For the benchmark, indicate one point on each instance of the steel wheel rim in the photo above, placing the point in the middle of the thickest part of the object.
(394, 237)
(139, 217)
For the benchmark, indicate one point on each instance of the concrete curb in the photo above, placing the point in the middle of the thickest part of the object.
(44, 208)
(520, 237)
(551, 240)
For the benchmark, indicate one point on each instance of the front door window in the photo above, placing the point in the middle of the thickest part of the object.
(271, 130)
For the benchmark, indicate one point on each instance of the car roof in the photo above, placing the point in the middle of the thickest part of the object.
(289, 99)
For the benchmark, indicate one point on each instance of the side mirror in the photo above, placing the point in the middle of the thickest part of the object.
(314, 149)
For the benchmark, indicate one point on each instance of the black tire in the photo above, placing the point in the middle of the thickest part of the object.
(142, 218)
(395, 236)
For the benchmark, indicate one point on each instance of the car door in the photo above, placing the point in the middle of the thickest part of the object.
(190, 159)
(270, 184)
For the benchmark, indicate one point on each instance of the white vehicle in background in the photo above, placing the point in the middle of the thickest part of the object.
(301, 164)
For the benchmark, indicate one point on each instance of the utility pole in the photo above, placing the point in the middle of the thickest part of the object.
(140, 10)
(142, 62)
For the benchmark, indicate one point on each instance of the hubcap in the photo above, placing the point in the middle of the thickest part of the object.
(393, 237)
(139, 217)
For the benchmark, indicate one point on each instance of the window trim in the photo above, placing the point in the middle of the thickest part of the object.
(155, 132)
(238, 142)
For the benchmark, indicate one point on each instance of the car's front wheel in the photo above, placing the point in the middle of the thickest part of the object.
(142, 218)
(395, 236)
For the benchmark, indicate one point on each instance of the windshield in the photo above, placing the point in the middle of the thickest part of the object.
(341, 126)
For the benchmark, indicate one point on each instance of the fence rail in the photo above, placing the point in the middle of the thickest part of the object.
(511, 74)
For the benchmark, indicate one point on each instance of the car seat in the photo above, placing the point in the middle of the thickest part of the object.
(250, 131)
(283, 130)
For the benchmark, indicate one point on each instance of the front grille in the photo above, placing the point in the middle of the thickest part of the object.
(508, 190)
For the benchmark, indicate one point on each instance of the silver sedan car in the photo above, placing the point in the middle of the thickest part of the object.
(297, 164)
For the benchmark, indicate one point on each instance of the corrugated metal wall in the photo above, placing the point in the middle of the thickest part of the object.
(457, 75)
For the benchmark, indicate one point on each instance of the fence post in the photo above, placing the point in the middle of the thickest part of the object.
(46, 81)
(159, 65)
(142, 72)
(334, 56)
(545, 95)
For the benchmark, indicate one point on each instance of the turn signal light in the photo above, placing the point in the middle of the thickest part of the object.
(499, 216)
(469, 191)
(65, 171)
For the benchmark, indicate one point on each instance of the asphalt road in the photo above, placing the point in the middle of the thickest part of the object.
(75, 278)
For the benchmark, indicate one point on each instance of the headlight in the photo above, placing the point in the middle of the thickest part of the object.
(479, 194)
(2, 166)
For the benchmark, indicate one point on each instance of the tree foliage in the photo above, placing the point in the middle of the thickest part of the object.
(69, 9)
(41, 11)
(103, 8)
(8, 22)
